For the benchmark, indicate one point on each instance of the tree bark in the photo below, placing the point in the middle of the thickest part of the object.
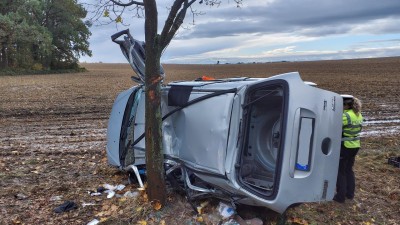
(156, 190)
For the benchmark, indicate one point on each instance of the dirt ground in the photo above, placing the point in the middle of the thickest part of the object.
(53, 136)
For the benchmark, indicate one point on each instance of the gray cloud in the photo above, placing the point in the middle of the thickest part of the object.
(230, 29)
(299, 56)
(333, 17)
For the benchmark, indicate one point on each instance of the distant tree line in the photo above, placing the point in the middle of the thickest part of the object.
(42, 34)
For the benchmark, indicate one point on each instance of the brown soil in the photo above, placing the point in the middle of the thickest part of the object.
(53, 137)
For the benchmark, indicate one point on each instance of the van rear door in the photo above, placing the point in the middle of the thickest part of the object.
(293, 134)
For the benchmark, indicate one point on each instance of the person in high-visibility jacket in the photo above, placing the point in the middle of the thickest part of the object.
(352, 125)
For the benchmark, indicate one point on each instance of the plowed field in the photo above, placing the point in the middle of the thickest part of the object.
(53, 137)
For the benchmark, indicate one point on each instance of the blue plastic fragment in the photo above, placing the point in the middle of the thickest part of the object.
(301, 167)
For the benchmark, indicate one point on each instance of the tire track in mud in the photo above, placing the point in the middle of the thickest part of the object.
(68, 134)
(381, 127)
(79, 133)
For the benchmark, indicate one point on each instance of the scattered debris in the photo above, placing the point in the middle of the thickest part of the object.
(95, 193)
(394, 161)
(225, 210)
(201, 207)
(231, 222)
(119, 187)
(20, 196)
(109, 189)
(137, 174)
(101, 189)
(94, 222)
(87, 204)
(56, 198)
(237, 220)
(66, 206)
(110, 193)
(130, 194)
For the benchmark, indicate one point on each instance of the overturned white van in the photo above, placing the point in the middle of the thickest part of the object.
(270, 142)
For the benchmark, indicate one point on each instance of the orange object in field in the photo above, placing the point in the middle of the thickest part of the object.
(207, 78)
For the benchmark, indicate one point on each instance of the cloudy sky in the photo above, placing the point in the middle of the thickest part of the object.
(269, 30)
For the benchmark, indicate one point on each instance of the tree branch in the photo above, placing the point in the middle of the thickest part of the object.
(170, 20)
(127, 4)
(167, 36)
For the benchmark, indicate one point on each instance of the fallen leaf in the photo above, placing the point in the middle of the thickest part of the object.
(16, 221)
(114, 208)
(157, 206)
(200, 219)
(201, 207)
(100, 214)
(142, 222)
(145, 198)
(298, 221)
(105, 207)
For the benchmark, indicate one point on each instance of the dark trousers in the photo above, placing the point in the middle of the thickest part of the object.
(345, 185)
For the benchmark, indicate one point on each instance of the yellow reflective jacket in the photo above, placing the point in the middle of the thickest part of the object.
(352, 125)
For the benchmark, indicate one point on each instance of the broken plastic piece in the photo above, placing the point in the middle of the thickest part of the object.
(130, 194)
(110, 193)
(56, 198)
(225, 210)
(87, 204)
(231, 222)
(20, 196)
(119, 187)
(94, 222)
(136, 171)
(95, 194)
(66, 206)
(109, 187)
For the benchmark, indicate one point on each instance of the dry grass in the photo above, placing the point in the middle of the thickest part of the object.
(53, 131)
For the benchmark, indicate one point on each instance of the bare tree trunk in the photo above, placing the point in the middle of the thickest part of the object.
(154, 155)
